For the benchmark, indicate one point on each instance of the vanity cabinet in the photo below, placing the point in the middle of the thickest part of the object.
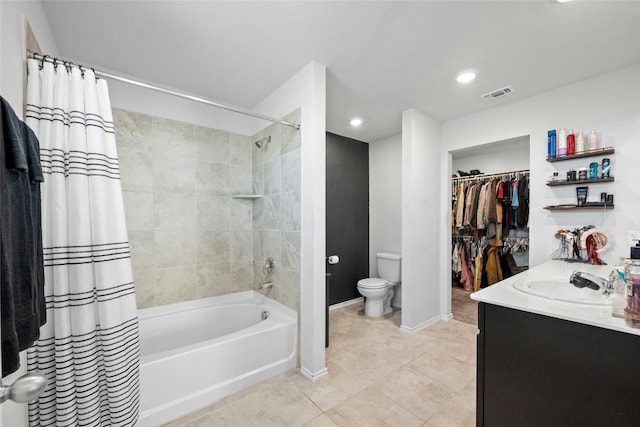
(536, 370)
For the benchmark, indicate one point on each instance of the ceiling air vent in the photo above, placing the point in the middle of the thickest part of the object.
(497, 93)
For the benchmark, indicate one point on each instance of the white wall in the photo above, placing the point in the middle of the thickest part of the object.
(385, 198)
(140, 100)
(609, 104)
(421, 258)
(13, 46)
(307, 90)
(12, 63)
(496, 157)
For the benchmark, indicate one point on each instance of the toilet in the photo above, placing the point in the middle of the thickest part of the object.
(379, 291)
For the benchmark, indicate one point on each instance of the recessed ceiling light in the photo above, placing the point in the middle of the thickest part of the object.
(466, 77)
(563, 1)
(355, 122)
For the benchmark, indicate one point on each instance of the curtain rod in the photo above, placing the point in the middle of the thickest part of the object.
(501, 174)
(194, 98)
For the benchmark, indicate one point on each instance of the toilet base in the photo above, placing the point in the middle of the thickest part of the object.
(378, 307)
(374, 307)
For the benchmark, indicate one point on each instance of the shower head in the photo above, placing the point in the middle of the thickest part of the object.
(265, 140)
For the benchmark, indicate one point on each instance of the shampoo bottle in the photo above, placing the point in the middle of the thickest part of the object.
(580, 142)
(562, 142)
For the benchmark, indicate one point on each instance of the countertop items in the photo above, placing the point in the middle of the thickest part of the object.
(504, 294)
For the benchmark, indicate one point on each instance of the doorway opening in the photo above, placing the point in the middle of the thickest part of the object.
(489, 222)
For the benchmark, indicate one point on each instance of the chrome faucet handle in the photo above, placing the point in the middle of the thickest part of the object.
(269, 267)
(609, 285)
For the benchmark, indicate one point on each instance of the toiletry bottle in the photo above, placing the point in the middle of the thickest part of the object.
(580, 142)
(605, 168)
(632, 311)
(562, 142)
(618, 300)
(582, 174)
(593, 170)
(551, 143)
(592, 140)
(571, 143)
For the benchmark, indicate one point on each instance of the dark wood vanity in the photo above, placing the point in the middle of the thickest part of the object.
(537, 370)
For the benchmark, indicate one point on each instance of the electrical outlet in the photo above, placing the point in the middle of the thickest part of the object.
(633, 237)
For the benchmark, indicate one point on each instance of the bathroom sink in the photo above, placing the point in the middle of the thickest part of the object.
(562, 291)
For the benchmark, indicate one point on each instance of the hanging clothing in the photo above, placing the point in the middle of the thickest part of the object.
(22, 281)
(89, 347)
(523, 202)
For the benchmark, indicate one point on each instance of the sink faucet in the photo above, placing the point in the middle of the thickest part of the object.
(581, 279)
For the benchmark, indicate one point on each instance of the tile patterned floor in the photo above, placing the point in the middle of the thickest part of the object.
(379, 375)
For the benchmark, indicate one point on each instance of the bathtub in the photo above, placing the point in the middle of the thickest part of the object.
(197, 352)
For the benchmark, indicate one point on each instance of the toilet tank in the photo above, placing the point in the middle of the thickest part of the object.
(389, 266)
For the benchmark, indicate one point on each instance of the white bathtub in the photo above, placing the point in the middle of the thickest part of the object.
(197, 352)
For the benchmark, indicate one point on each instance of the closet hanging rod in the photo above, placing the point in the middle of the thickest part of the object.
(492, 175)
(183, 95)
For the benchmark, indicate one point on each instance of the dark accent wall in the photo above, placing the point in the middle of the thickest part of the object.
(347, 215)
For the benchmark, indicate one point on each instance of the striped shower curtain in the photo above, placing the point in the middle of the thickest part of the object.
(89, 347)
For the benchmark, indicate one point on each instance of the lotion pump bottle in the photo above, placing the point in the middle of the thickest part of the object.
(580, 142)
(562, 142)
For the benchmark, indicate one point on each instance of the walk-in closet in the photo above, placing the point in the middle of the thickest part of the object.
(489, 219)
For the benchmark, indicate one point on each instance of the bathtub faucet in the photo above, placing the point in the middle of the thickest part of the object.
(266, 285)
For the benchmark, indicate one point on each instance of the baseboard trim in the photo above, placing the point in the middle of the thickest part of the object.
(420, 326)
(346, 303)
(314, 376)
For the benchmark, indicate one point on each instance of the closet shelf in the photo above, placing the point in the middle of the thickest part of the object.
(247, 196)
(580, 181)
(576, 207)
(590, 153)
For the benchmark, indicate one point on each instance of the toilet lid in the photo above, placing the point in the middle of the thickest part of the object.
(372, 282)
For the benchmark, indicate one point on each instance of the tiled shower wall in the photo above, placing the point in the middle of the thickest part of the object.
(190, 238)
(276, 216)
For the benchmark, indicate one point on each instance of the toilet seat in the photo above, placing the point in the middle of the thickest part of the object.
(372, 283)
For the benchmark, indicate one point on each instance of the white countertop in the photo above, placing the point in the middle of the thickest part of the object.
(504, 294)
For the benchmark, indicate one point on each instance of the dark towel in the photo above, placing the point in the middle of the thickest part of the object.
(21, 264)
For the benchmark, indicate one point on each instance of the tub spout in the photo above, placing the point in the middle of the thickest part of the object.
(267, 285)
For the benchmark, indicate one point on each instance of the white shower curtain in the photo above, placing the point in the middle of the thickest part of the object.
(89, 347)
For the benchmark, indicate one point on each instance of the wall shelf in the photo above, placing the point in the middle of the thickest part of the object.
(247, 196)
(580, 181)
(590, 153)
(576, 207)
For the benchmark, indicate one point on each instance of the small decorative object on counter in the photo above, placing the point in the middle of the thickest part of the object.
(592, 140)
(562, 142)
(593, 170)
(580, 142)
(582, 244)
(632, 276)
(551, 143)
(595, 240)
(582, 173)
(571, 143)
(605, 168)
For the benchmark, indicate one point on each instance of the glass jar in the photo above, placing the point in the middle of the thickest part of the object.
(582, 173)
(632, 310)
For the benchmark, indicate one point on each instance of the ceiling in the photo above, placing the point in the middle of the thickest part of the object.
(382, 57)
